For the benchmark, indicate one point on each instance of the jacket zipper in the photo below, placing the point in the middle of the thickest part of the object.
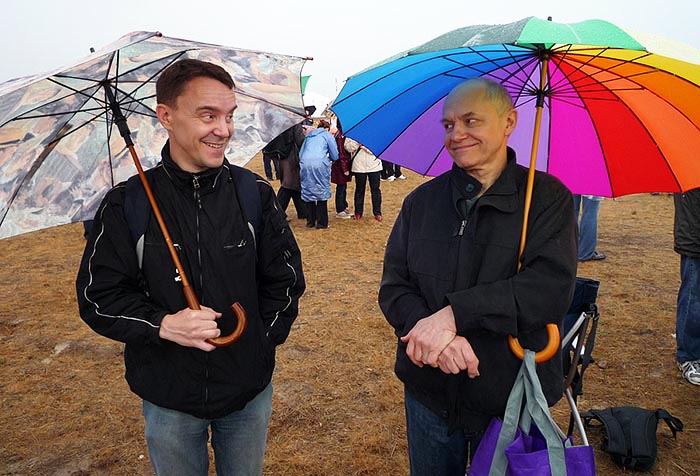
(462, 226)
(198, 201)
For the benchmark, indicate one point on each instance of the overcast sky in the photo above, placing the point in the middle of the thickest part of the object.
(342, 37)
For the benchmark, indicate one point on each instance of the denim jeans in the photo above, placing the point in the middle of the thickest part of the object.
(688, 311)
(375, 191)
(341, 197)
(432, 451)
(587, 224)
(177, 441)
(268, 163)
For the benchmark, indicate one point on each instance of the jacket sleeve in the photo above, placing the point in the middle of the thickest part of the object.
(332, 146)
(399, 296)
(110, 299)
(540, 293)
(351, 145)
(280, 275)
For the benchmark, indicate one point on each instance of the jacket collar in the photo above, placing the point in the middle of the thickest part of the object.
(206, 180)
(502, 195)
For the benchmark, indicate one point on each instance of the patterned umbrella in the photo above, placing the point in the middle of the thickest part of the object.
(60, 152)
(620, 110)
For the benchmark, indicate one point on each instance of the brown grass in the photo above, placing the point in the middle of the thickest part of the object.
(65, 408)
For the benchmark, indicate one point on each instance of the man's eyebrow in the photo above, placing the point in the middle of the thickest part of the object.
(212, 109)
(467, 115)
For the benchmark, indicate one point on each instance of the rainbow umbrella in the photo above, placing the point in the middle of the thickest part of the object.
(618, 112)
(607, 111)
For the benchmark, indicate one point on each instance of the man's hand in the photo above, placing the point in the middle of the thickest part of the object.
(430, 336)
(191, 328)
(459, 356)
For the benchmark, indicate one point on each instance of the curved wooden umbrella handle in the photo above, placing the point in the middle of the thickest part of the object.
(223, 341)
(545, 354)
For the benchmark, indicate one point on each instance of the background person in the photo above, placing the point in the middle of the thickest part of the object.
(586, 208)
(340, 176)
(188, 386)
(290, 170)
(451, 289)
(366, 167)
(317, 153)
(686, 242)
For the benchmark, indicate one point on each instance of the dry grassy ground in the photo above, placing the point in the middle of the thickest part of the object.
(65, 408)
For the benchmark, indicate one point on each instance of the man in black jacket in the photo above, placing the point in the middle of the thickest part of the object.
(187, 384)
(451, 286)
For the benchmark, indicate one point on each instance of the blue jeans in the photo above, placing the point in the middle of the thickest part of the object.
(432, 451)
(341, 197)
(177, 441)
(587, 224)
(688, 311)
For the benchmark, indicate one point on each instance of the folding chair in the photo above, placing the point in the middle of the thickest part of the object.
(579, 331)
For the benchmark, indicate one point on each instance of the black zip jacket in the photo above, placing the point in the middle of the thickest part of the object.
(686, 223)
(435, 257)
(223, 264)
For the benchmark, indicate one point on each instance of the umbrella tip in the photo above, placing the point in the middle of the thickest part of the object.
(549, 18)
(309, 58)
(159, 34)
(92, 50)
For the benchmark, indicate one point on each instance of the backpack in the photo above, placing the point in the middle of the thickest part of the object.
(631, 434)
(137, 208)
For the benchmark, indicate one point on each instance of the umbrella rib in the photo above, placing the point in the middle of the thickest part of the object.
(272, 103)
(444, 56)
(413, 86)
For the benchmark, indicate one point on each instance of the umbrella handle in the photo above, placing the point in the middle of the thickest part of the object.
(545, 354)
(238, 311)
(242, 318)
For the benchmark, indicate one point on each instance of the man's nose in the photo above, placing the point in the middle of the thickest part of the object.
(223, 127)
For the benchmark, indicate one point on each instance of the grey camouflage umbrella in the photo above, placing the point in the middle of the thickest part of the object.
(60, 151)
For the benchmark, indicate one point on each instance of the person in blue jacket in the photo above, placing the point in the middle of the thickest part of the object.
(317, 153)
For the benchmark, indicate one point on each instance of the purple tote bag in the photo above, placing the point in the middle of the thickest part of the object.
(506, 449)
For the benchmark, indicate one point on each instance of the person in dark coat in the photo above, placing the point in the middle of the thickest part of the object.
(188, 386)
(291, 141)
(340, 176)
(686, 242)
(451, 288)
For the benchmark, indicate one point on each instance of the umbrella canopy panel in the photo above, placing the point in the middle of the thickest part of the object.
(618, 119)
(60, 152)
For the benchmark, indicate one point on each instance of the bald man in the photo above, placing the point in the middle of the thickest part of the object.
(451, 289)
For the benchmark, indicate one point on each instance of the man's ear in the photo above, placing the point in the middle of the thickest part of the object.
(164, 115)
(511, 121)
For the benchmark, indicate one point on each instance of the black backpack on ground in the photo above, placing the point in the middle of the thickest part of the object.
(631, 434)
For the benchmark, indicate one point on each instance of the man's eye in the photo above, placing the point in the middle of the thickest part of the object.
(208, 117)
(448, 127)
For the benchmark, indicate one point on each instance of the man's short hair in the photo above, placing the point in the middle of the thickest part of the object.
(495, 92)
(173, 79)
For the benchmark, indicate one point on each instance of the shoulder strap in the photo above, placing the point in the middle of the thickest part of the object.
(249, 197)
(137, 209)
(613, 429)
(675, 424)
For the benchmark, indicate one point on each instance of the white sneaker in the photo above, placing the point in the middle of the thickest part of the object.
(391, 178)
(344, 215)
(401, 177)
(690, 371)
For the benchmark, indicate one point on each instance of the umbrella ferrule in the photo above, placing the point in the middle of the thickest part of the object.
(118, 115)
